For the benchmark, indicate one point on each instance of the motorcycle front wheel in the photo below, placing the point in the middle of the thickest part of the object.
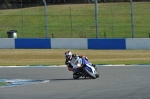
(97, 75)
(90, 74)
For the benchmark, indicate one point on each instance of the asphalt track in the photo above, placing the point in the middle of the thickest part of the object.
(115, 82)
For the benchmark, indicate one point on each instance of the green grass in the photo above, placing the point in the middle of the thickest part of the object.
(24, 57)
(2, 83)
(77, 20)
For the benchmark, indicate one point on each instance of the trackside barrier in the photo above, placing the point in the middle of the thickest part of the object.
(138, 43)
(32, 43)
(75, 43)
(69, 43)
(8, 43)
(107, 44)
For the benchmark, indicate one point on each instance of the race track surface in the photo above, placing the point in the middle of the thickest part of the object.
(125, 82)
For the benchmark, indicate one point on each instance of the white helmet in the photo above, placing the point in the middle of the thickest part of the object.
(68, 55)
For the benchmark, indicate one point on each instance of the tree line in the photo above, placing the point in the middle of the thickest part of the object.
(5, 4)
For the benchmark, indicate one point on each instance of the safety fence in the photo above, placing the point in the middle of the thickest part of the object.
(77, 20)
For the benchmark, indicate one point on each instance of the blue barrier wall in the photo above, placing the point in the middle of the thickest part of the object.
(106, 44)
(32, 43)
(85, 43)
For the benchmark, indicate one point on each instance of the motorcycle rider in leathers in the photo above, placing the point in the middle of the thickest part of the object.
(72, 60)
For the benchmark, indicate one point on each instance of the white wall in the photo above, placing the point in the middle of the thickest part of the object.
(7, 43)
(138, 43)
(69, 43)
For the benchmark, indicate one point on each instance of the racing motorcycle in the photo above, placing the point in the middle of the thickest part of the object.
(85, 70)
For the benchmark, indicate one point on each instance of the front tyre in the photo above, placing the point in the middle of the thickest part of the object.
(97, 75)
(91, 75)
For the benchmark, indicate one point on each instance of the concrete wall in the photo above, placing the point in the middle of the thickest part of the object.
(32, 43)
(70, 43)
(138, 43)
(7, 43)
(76, 43)
(106, 44)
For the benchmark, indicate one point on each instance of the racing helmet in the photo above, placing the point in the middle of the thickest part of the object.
(68, 55)
(74, 56)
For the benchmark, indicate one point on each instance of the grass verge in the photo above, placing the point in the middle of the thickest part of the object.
(2, 83)
(23, 57)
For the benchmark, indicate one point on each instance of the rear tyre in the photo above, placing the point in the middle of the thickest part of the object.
(75, 76)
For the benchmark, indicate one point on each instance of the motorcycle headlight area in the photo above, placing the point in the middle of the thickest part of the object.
(78, 65)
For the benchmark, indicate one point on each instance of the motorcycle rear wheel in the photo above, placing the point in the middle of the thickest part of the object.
(75, 76)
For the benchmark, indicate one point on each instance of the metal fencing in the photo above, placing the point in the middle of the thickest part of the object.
(114, 20)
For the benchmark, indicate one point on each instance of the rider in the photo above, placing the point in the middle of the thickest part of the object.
(72, 60)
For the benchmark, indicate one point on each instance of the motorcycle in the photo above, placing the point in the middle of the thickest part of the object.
(85, 70)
